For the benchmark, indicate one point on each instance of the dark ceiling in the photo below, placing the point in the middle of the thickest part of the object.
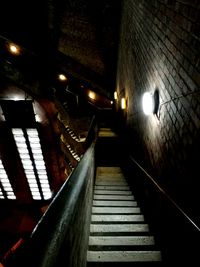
(76, 36)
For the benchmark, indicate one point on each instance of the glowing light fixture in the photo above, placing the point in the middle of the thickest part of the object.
(115, 95)
(92, 95)
(147, 103)
(62, 77)
(150, 103)
(123, 103)
(5, 184)
(14, 49)
(35, 170)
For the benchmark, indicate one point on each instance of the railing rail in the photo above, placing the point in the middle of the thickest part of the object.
(175, 231)
(61, 235)
(166, 195)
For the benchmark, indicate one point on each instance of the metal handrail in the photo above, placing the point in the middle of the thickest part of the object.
(165, 194)
(43, 246)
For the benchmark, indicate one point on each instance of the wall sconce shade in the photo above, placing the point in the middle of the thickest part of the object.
(115, 95)
(123, 103)
(147, 103)
(150, 103)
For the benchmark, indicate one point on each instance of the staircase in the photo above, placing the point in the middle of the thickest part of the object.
(119, 235)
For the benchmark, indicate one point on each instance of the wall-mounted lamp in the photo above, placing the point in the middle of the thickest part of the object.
(123, 103)
(115, 95)
(150, 103)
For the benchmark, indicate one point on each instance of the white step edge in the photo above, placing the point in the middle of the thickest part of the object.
(117, 218)
(108, 179)
(115, 203)
(121, 241)
(116, 210)
(110, 175)
(118, 228)
(107, 174)
(123, 256)
(107, 169)
(118, 183)
(113, 197)
(112, 192)
(112, 187)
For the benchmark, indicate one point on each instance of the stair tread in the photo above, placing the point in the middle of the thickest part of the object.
(112, 183)
(112, 187)
(118, 218)
(117, 210)
(111, 228)
(106, 169)
(118, 233)
(111, 175)
(123, 256)
(113, 197)
(115, 203)
(121, 240)
(112, 192)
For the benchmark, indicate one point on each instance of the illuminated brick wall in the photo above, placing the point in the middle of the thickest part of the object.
(159, 49)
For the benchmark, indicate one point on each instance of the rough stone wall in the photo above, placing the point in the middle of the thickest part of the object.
(160, 49)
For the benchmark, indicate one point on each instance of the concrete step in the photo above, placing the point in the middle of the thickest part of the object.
(118, 228)
(117, 218)
(123, 256)
(121, 241)
(118, 234)
(103, 133)
(112, 192)
(113, 197)
(115, 203)
(106, 169)
(111, 175)
(112, 187)
(111, 183)
(115, 210)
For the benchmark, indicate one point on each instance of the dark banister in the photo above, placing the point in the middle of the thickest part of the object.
(165, 194)
(175, 232)
(92, 132)
(60, 238)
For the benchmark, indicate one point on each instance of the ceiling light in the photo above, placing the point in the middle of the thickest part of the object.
(62, 77)
(5, 183)
(33, 174)
(14, 49)
(92, 95)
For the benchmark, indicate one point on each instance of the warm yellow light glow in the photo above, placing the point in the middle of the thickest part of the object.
(115, 95)
(14, 49)
(92, 95)
(147, 103)
(123, 103)
(62, 77)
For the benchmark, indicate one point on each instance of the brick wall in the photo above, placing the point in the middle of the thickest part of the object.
(160, 49)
